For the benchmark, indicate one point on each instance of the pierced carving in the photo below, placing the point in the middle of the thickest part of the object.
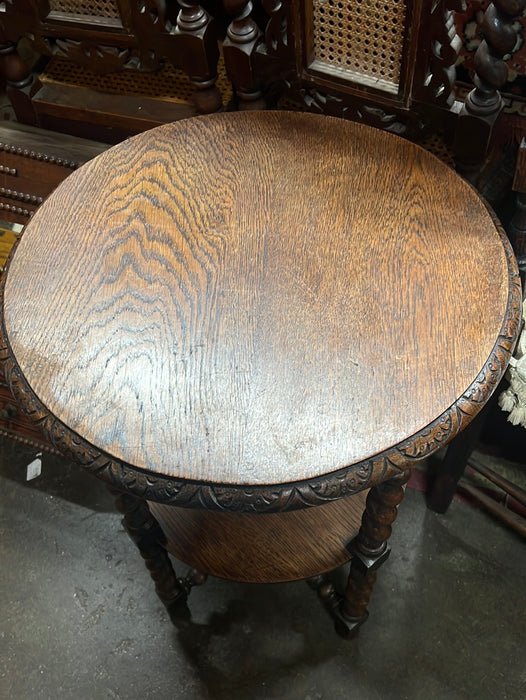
(153, 13)
(279, 497)
(98, 58)
(445, 44)
(276, 31)
(324, 103)
(483, 104)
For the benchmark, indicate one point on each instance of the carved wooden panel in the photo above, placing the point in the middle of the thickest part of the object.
(106, 36)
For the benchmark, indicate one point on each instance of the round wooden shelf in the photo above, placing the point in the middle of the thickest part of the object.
(263, 548)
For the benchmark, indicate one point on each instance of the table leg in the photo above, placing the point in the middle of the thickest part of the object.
(147, 534)
(369, 550)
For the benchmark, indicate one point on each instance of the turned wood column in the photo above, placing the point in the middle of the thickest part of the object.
(146, 533)
(18, 80)
(198, 54)
(370, 550)
(517, 227)
(243, 36)
(484, 102)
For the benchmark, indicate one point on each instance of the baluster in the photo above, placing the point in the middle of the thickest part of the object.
(369, 550)
(198, 54)
(243, 36)
(441, 36)
(146, 532)
(517, 226)
(19, 80)
(483, 104)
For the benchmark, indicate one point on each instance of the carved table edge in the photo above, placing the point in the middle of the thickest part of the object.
(284, 496)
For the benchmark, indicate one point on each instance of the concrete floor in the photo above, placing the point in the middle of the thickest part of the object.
(79, 617)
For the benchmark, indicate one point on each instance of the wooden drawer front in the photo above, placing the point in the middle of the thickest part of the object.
(31, 177)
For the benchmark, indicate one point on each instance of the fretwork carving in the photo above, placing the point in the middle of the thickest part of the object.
(325, 103)
(98, 58)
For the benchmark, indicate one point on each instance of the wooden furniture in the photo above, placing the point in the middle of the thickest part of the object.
(32, 163)
(390, 64)
(252, 319)
(462, 452)
(108, 37)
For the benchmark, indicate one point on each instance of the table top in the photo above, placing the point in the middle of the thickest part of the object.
(261, 298)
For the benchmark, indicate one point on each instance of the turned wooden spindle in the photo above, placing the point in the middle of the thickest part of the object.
(199, 54)
(145, 532)
(243, 36)
(483, 104)
(370, 550)
(445, 44)
(19, 81)
(499, 39)
(13, 67)
(517, 227)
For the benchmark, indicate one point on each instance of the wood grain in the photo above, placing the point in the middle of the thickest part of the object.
(264, 548)
(256, 298)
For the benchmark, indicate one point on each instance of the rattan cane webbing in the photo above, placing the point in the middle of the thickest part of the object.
(168, 83)
(95, 8)
(363, 36)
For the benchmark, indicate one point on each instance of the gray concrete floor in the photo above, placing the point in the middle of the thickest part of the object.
(79, 617)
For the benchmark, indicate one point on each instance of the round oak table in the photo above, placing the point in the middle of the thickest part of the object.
(244, 323)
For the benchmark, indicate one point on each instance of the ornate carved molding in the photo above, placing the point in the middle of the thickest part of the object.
(326, 103)
(96, 57)
(277, 497)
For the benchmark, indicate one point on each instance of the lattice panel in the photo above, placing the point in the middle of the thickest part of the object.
(435, 144)
(363, 36)
(96, 8)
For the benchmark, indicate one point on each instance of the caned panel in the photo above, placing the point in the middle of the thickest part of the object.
(361, 36)
(96, 8)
